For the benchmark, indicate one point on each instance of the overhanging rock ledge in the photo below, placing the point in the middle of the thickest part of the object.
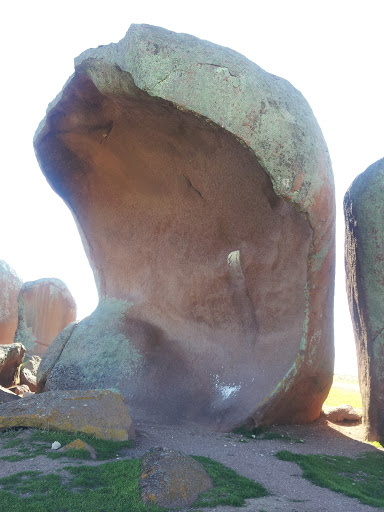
(203, 191)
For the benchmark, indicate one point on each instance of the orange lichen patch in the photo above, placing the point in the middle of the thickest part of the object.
(151, 497)
(104, 414)
(147, 473)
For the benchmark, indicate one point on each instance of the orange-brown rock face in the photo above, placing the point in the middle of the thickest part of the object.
(214, 263)
(10, 286)
(45, 307)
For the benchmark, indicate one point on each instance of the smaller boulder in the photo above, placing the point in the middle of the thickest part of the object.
(342, 413)
(7, 396)
(10, 286)
(171, 479)
(11, 357)
(100, 412)
(45, 308)
(78, 444)
(28, 373)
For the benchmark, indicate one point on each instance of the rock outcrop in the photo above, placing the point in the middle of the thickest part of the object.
(46, 307)
(11, 357)
(101, 413)
(203, 192)
(171, 479)
(364, 264)
(10, 286)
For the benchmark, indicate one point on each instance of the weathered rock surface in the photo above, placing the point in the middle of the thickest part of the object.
(364, 264)
(171, 479)
(10, 286)
(98, 412)
(28, 372)
(46, 306)
(7, 396)
(11, 357)
(203, 192)
(342, 413)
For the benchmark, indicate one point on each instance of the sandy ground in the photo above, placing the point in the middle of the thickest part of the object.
(255, 459)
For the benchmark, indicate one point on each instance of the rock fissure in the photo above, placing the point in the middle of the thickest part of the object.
(219, 66)
(193, 187)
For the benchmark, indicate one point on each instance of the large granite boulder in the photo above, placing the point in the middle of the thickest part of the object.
(46, 306)
(10, 286)
(203, 192)
(364, 264)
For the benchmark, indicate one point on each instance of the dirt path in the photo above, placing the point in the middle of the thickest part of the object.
(255, 459)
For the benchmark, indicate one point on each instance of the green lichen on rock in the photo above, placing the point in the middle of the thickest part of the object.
(263, 110)
(364, 258)
(98, 339)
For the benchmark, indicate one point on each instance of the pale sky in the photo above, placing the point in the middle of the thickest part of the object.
(332, 51)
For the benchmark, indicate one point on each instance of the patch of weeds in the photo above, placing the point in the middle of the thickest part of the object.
(18, 442)
(109, 487)
(229, 487)
(71, 454)
(360, 478)
(262, 433)
(112, 487)
(39, 443)
(105, 449)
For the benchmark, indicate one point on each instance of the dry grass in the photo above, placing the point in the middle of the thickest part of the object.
(345, 390)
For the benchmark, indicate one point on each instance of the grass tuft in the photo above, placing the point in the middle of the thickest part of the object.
(360, 478)
(259, 433)
(40, 441)
(229, 487)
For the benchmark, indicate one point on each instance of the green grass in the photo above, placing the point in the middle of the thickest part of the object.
(262, 433)
(339, 396)
(360, 478)
(25, 450)
(111, 487)
(229, 487)
(40, 441)
(345, 390)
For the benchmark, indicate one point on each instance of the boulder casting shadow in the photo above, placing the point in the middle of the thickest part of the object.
(202, 189)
